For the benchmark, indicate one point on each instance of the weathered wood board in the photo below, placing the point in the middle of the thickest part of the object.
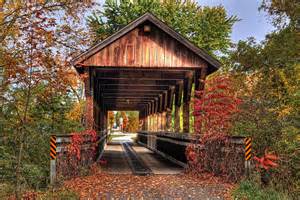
(146, 49)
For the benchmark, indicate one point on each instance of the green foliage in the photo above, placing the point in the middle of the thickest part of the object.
(268, 80)
(133, 121)
(59, 195)
(117, 118)
(210, 29)
(46, 116)
(6, 190)
(249, 189)
(283, 12)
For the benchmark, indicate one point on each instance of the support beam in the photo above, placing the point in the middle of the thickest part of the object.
(169, 109)
(152, 122)
(159, 122)
(178, 99)
(169, 120)
(104, 81)
(160, 103)
(177, 119)
(142, 74)
(186, 102)
(165, 100)
(89, 108)
(130, 87)
(200, 80)
(163, 121)
(155, 122)
(146, 123)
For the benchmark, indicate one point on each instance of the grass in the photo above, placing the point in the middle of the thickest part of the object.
(250, 190)
(7, 191)
(59, 195)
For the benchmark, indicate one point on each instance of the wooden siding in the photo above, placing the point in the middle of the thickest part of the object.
(140, 49)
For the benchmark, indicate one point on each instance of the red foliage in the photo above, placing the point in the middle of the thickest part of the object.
(215, 106)
(266, 161)
(74, 147)
(102, 162)
(191, 155)
(213, 110)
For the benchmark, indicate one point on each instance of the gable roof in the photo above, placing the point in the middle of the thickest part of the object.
(161, 25)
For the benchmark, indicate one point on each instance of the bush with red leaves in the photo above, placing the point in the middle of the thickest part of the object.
(214, 109)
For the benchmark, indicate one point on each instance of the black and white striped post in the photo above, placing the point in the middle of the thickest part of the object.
(52, 159)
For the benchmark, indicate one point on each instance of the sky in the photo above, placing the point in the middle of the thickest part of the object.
(253, 23)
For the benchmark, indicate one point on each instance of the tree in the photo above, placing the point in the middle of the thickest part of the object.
(283, 12)
(111, 119)
(125, 120)
(207, 27)
(267, 79)
(36, 47)
(133, 121)
(118, 116)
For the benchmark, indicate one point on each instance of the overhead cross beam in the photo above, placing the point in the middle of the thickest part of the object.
(139, 81)
(144, 74)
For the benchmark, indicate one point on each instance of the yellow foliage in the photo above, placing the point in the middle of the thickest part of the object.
(76, 112)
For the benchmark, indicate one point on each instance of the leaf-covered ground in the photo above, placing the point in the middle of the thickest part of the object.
(183, 186)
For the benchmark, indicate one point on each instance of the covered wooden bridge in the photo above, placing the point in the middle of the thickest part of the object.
(150, 68)
(147, 67)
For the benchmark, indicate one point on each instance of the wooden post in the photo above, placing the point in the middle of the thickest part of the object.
(151, 122)
(105, 120)
(169, 108)
(159, 121)
(169, 120)
(186, 102)
(155, 122)
(144, 123)
(186, 117)
(89, 108)
(163, 121)
(142, 118)
(199, 85)
(178, 98)
(101, 119)
(145, 127)
(177, 119)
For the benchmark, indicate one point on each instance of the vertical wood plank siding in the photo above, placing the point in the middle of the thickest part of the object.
(139, 49)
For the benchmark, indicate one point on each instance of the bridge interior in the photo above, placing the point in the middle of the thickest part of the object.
(152, 92)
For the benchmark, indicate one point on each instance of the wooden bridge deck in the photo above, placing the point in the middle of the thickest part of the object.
(118, 160)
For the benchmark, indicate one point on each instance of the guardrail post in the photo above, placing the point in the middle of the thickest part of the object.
(248, 154)
(52, 159)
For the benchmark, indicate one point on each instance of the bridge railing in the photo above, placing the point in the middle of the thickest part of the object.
(66, 163)
(173, 146)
